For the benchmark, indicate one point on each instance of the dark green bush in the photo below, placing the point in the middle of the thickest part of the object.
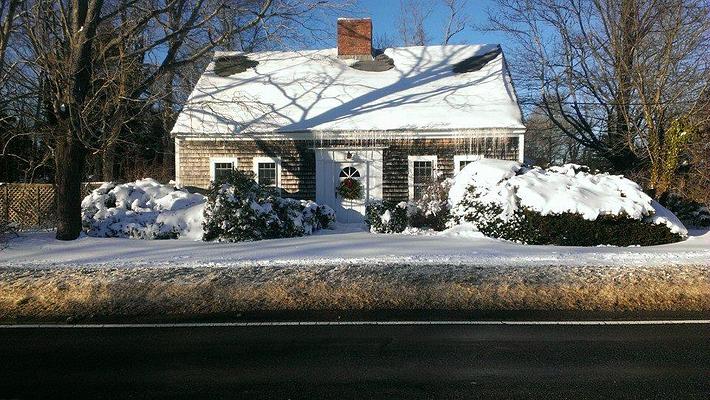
(386, 216)
(429, 212)
(567, 229)
(7, 230)
(238, 209)
(689, 212)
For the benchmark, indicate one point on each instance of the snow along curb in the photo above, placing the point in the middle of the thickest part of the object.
(98, 292)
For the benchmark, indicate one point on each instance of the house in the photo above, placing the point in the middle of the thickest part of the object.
(305, 121)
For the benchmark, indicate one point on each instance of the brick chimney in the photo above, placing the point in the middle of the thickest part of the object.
(355, 38)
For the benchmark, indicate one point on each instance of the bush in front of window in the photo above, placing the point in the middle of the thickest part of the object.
(239, 209)
(432, 210)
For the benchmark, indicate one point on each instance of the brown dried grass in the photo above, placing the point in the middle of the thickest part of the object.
(89, 293)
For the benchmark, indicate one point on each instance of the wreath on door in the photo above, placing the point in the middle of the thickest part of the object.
(350, 189)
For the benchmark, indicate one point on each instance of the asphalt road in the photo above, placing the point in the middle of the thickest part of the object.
(394, 361)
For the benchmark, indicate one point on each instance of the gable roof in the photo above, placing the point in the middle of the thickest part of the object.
(316, 91)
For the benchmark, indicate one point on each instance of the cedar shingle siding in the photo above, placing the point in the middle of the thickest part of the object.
(298, 159)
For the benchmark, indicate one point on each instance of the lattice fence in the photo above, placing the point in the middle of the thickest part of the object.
(32, 205)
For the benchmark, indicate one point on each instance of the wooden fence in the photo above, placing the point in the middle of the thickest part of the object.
(32, 205)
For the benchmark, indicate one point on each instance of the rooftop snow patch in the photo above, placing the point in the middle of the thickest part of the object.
(316, 91)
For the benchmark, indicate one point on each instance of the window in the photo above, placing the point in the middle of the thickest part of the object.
(421, 172)
(222, 170)
(221, 167)
(267, 174)
(267, 171)
(349, 172)
(464, 163)
(461, 161)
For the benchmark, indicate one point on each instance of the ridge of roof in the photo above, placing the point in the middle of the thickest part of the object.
(226, 53)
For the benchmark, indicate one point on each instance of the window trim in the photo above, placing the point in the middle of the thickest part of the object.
(465, 157)
(215, 160)
(410, 177)
(275, 160)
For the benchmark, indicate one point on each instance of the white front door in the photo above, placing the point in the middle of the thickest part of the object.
(334, 165)
(350, 210)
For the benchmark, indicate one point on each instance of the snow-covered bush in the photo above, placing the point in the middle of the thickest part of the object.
(387, 216)
(144, 209)
(238, 209)
(565, 205)
(690, 212)
(432, 210)
(316, 216)
(429, 212)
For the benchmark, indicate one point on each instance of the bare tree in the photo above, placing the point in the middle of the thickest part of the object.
(696, 182)
(546, 145)
(415, 20)
(107, 61)
(11, 91)
(612, 74)
(413, 15)
(8, 20)
(456, 19)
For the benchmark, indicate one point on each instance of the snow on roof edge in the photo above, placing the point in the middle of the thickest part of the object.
(304, 134)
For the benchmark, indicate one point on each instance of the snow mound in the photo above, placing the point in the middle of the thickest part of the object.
(465, 230)
(570, 188)
(144, 209)
(487, 173)
(663, 216)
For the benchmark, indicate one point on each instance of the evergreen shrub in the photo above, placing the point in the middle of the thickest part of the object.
(690, 212)
(386, 216)
(238, 209)
(567, 229)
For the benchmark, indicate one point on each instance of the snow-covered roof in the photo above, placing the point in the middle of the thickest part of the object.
(316, 91)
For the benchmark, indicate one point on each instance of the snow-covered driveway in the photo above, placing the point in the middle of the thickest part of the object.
(344, 246)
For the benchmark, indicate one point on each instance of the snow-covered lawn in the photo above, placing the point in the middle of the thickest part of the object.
(345, 245)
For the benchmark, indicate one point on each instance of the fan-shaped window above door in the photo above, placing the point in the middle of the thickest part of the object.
(349, 172)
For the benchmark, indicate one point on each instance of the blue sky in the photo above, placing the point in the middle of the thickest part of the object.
(384, 14)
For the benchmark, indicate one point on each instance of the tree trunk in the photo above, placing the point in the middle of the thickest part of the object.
(623, 160)
(69, 161)
(70, 152)
(168, 121)
(108, 158)
(622, 156)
